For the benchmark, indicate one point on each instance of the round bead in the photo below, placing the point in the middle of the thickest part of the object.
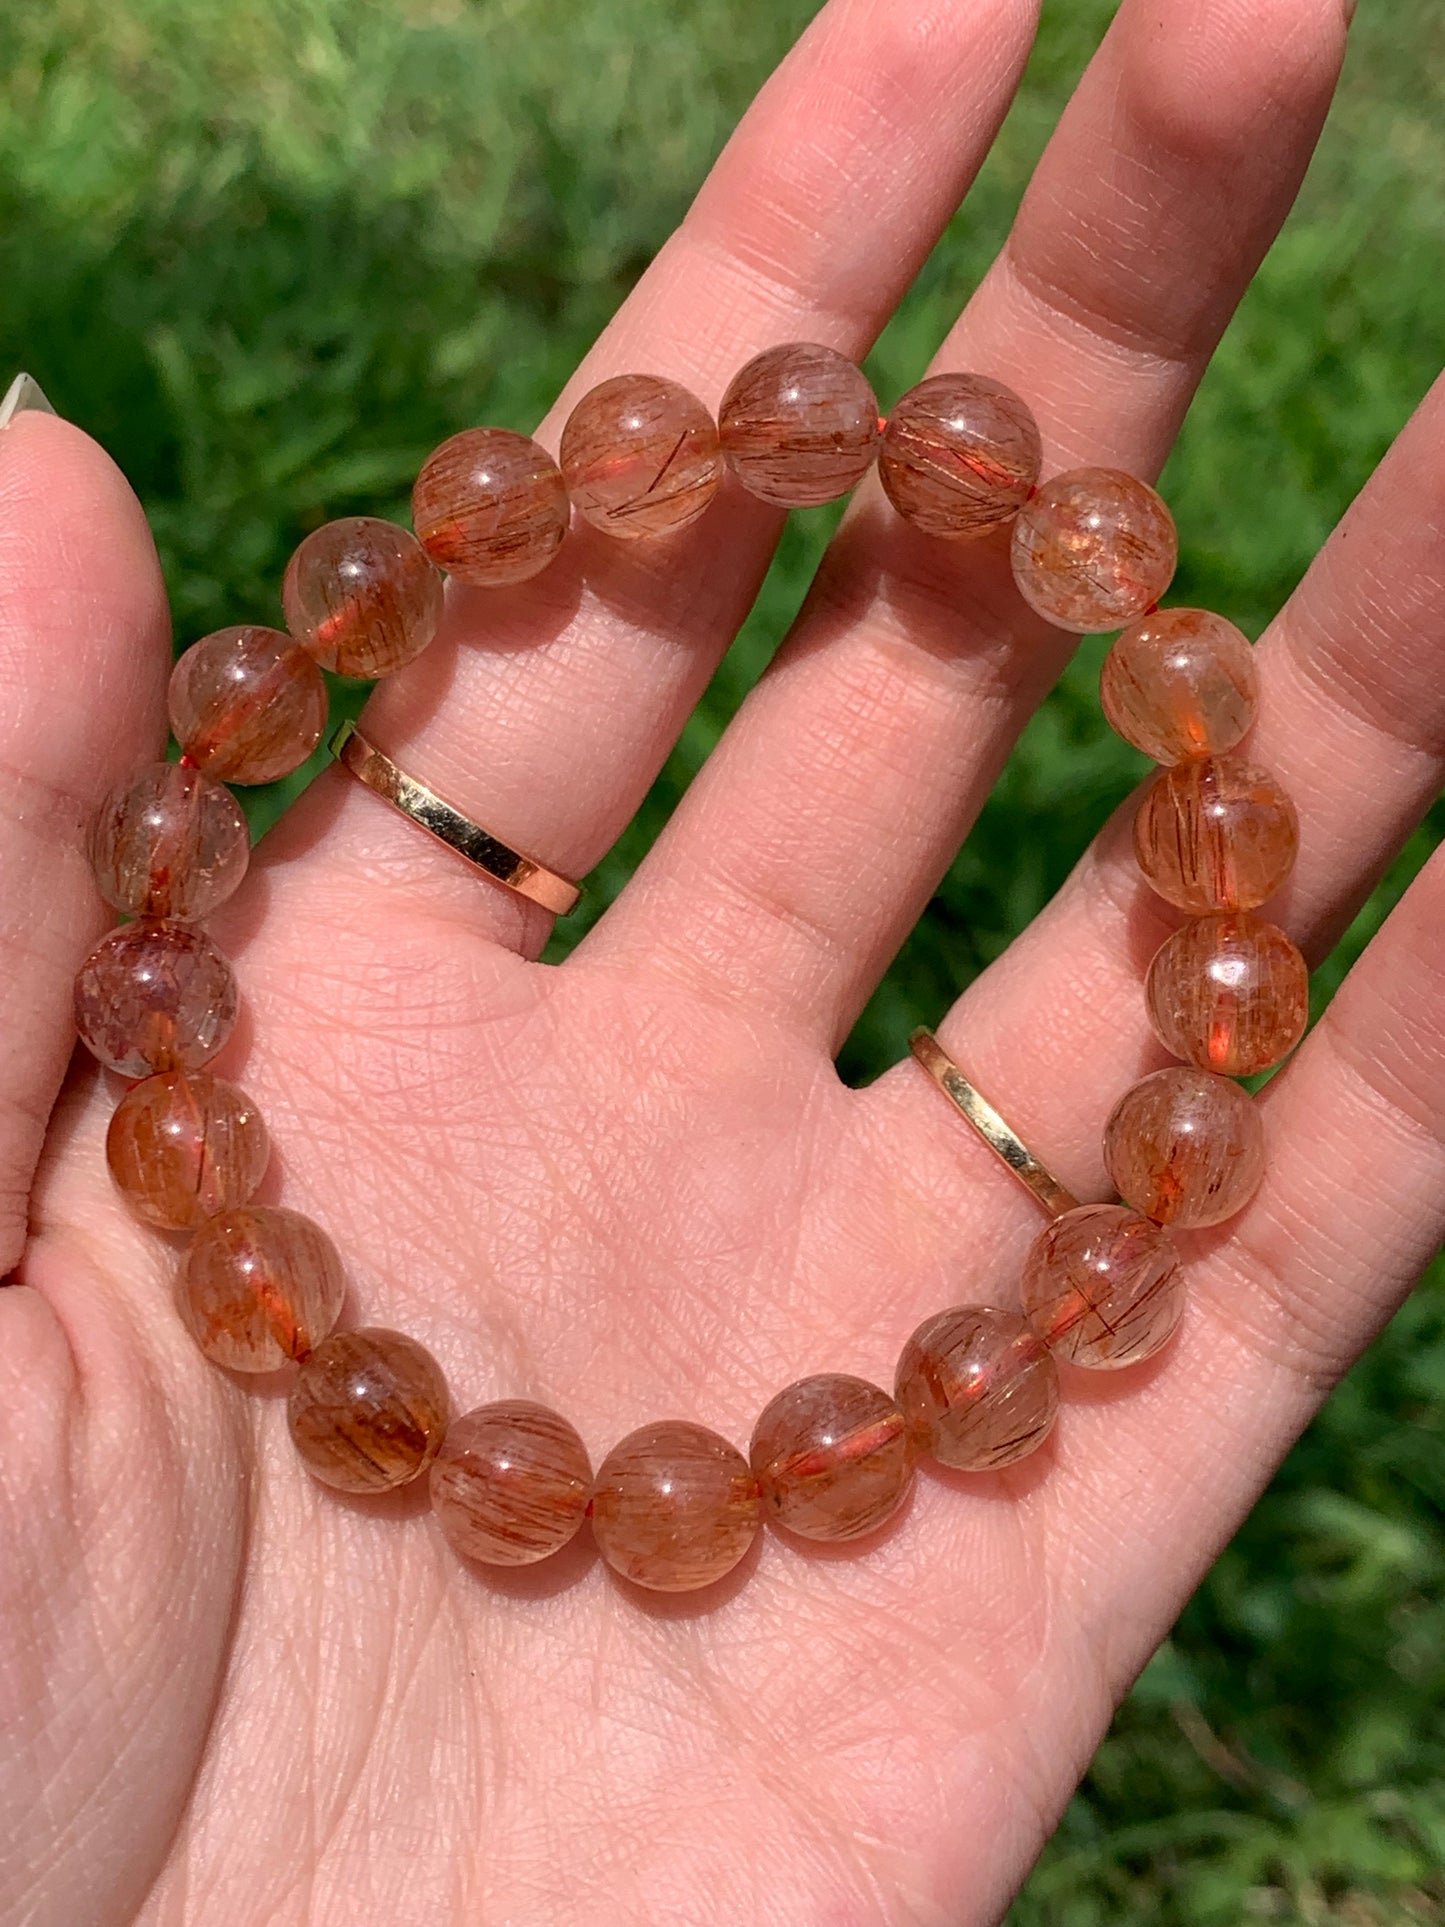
(362, 596)
(640, 457)
(1230, 994)
(1093, 549)
(832, 1457)
(799, 425)
(1180, 683)
(674, 1507)
(155, 997)
(511, 1483)
(960, 455)
(169, 843)
(246, 705)
(1185, 1147)
(260, 1285)
(1218, 834)
(1102, 1286)
(368, 1410)
(490, 506)
(978, 1388)
(184, 1145)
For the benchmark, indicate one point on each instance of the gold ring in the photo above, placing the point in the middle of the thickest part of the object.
(1007, 1146)
(440, 819)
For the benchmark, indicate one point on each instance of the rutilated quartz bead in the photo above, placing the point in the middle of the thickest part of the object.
(1093, 549)
(1185, 1147)
(640, 457)
(169, 843)
(155, 997)
(960, 455)
(799, 425)
(368, 1410)
(1179, 684)
(183, 1145)
(1229, 994)
(362, 596)
(1217, 834)
(832, 1457)
(674, 1507)
(246, 704)
(978, 1388)
(260, 1285)
(1102, 1286)
(490, 506)
(511, 1483)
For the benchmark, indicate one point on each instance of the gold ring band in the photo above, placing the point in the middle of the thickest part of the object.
(441, 819)
(1007, 1146)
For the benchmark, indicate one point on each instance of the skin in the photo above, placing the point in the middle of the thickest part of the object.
(633, 1185)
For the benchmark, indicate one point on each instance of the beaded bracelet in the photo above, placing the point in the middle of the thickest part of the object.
(674, 1506)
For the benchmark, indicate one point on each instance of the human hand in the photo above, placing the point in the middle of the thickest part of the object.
(633, 1186)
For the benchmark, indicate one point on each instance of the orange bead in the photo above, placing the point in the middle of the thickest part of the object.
(1185, 1147)
(978, 1388)
(155, 997)
(799, 425)
(1093, 549)
(1218, 834)
(1229, 994)
(1179, 684)
(260, 1285)
(832, 1457)
(490, 506)
(640, 457)
(1102, 1286)
(511, 1483)
(362, 597)
(674, 1507)
(246, 705)
(960, 455)
(169, 843)
(368, 1410)
(184, 1145)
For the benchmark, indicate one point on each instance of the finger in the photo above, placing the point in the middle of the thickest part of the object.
(815, 835)
(84, 652)
(1351, 721)
(546, 711)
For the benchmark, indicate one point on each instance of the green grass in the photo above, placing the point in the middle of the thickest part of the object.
(271, 252)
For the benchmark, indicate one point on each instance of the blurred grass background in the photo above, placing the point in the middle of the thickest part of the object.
(272, 252)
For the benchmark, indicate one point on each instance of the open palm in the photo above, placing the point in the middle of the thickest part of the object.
(633, 1185)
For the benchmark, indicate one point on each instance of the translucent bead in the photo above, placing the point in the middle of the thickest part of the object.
(1218, 834)
(1180, 683)
(1093, 549)
(511, 1483)
(960, 455)
(1230, 994)
(368, 1410)
(169, 843)
(978, 1388)
(1102, 1286)
(832, 1457)
(184, 1145)
(155, 997)
(1185, 1147)
(362, 596)
(640, 457)
(799, 425)
(674, 1507)
(260, 1285)
(247, 705)
(490, 506)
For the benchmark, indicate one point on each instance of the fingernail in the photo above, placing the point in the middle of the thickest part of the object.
(24, 393)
